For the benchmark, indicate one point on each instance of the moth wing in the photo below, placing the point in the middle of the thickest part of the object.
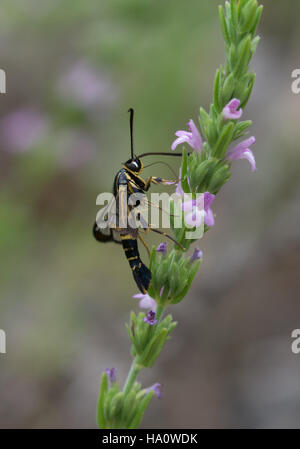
(105, 235)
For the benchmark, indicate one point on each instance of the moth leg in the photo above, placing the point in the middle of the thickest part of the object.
(157, 180)
(168, 236)
(145, 244)
(150, 203)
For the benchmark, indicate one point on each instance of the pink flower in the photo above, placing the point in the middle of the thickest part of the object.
(197, 255)
(146, 302)
(162, 248)
(242, 151)
(193, 138)
(150, 318)
(231, 112)
(86, 86)
(74, 149)
(23, 128)
(198, 210)
(156, 388)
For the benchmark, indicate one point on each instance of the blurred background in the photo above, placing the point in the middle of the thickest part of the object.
(73, 69)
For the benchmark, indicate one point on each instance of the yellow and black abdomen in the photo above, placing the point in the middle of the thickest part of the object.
(141, 274)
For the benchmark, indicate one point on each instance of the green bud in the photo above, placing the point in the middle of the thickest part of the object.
(100, 411)
(256, 19)
(224, 140)
(245, 54)
(217, 90)
(254, 44)
(245, 99)
(116, 406)
(232, 56)
(192, 273)
(248, 14)
(224, 25)
(152, 347)
(140, 411)
(228, 89)
(219, 178)
(129, 404)
(240, 128)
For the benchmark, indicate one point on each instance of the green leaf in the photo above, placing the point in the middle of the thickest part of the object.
(216, 91)
(103, 390)
(128, 405)
(240, 129)
(254, 44)
(192, 275)
(249, 91)
(257, 19)
(141, 410)
(234, 14)
(224, 140)
(219, 178)
(116, 408)
(228, 89)
(248, 16)
(224, 25)
(244, 52)
(154, 348)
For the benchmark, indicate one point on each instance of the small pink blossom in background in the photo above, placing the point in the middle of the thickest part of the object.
(231, 112)
(85, 85)
(74, 149)
(193, 138)
(242, 151)
(22, 129)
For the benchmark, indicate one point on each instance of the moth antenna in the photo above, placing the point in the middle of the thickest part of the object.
(131, 131)
(161, 154)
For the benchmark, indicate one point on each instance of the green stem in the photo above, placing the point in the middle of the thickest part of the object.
(132, 375)
(159, 311)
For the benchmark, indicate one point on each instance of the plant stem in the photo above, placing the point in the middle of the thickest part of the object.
(159, 311)
(131, 377)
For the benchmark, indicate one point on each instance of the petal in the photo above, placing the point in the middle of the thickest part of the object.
(139, 296)
(250, 157)
(208, 200)
(196, 140)
(231, 112)
(194, 218)
(234, 153)
(242, 151)
(179, 141)
(181, 133)
(189, 205)
(147, 303)
(179, 190)
(209, 218)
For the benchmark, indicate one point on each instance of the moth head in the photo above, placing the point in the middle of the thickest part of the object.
(134, 165)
